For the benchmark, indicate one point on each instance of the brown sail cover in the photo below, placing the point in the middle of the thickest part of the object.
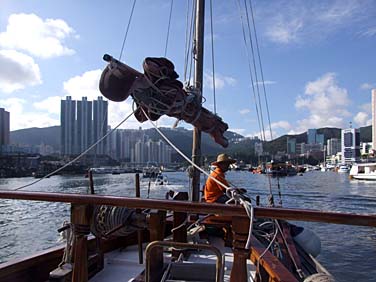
(158, 92)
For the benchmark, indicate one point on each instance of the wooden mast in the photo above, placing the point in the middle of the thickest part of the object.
(198, 78)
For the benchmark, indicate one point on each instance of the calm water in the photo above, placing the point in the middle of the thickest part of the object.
(348, 252)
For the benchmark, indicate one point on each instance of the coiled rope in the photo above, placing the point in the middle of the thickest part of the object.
(116, 221)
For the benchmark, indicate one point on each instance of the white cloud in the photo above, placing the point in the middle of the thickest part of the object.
(367, 86)
(240, 131)
(362, 119)
(17, 71)
(285, 31)
(369, 32)
(277, 128)
(265, 82)
(325, 102)
(22, 117)
(266, 134)
(281, 124)
(50, 105)
(299, 21)
(221, 81)
(42, 38)
(85, 85)
(13, 105)
(244, 111)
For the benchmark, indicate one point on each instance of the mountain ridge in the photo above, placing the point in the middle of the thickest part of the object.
(239, 147)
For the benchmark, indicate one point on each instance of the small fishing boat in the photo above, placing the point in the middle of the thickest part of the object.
(161, 179)
(280, 169)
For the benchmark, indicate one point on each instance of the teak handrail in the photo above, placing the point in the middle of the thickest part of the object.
(192, 207)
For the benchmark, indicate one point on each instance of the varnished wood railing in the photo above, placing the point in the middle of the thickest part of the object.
(202, 208)
(233, 215)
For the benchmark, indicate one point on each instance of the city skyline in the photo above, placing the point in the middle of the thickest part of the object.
(317, 60)
(84, 122)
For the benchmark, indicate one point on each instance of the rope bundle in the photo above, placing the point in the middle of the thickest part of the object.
(158, 92)
(116, 221)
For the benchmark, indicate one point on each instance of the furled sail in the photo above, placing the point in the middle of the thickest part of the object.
(157, 92)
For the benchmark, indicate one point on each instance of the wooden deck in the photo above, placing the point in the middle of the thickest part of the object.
(123, 266)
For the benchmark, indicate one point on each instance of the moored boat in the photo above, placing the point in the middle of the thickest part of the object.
(280, 169)
(343, 169)
(363, 171)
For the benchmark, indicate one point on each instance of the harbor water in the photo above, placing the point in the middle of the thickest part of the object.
(348, 252)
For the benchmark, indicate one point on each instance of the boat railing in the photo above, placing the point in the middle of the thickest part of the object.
(195, 207)
(234, 215)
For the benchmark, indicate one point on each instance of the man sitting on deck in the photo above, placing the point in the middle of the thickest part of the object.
(214, 192)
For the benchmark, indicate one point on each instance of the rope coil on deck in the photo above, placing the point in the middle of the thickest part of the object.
(116, 221)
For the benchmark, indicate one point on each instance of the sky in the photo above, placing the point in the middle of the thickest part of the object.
(318, 59)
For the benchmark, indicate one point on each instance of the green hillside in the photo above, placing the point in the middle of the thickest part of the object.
(239, 147)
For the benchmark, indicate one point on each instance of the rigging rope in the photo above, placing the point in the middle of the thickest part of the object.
(261, 70)
(79, 156)
(250, 70)
(254, 67)
(257, 101)
(168, 28)
(188, 41)
(212, 54)
(181, 153)
(263, 253)
(233, 193)
(126, 32)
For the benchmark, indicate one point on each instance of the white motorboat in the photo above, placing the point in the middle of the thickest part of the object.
(343, 168)
(364, 171)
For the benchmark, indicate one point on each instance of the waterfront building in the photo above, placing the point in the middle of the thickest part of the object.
(320, 139)
(291, 145)
(45, 149)
(374, 119)
(139, 152)
(258, 148)
(350, 145)
(83, 123)
(100, 124)
(310, 148)
(4, 128)
(311, 136)
(314, 138)
(333, 146)
(299, 148)
(67, 122)
(365, 148)
(151, 151)
(84, 137)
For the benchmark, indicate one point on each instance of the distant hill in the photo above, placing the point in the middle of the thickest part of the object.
(36, 136)
(182, 138)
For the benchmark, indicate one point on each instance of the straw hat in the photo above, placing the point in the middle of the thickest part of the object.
(223, 158)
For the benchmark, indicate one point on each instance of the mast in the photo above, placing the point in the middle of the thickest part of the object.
(198, 78)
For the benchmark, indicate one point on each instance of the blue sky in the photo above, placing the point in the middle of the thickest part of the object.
(318, 58)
